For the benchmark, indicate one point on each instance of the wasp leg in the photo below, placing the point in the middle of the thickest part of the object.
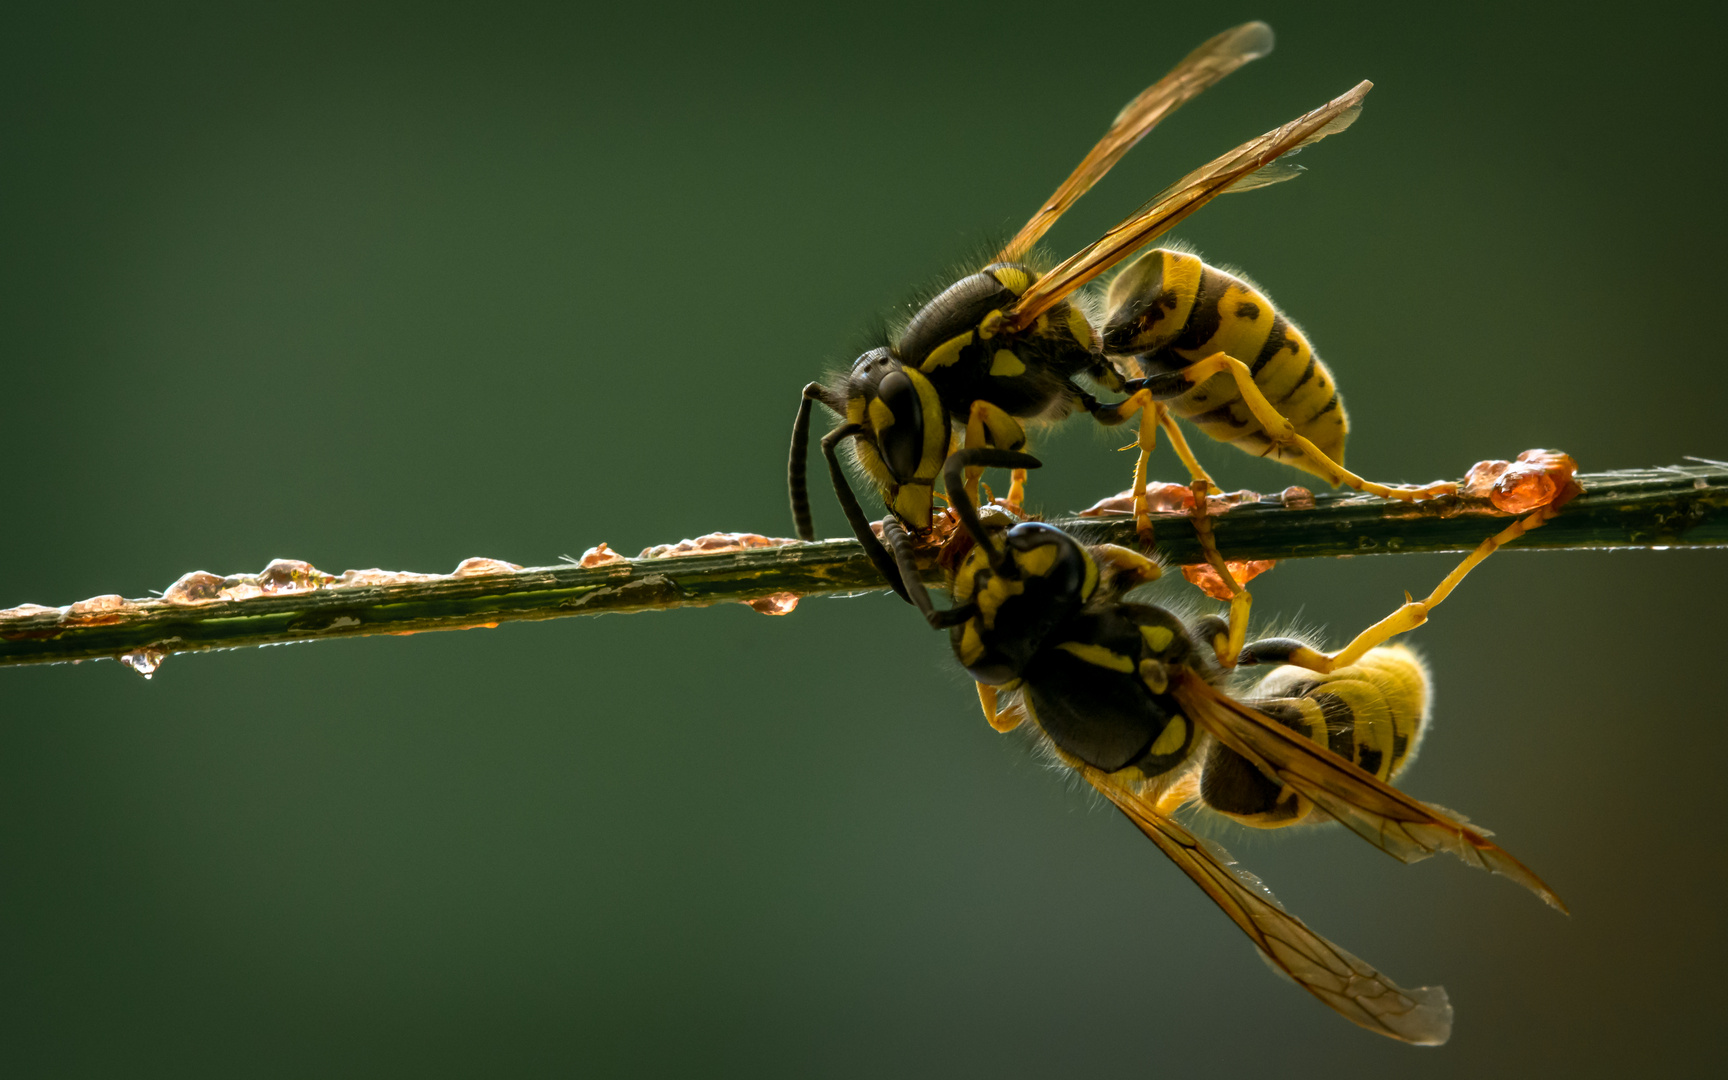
(1241, 600)
(1130, 567)
(1017, 492)
(1180, 444)
(1142, 403)
(1278, 429)
(996, 718)
(988, 426)
(1410, 615)
(1202, 485)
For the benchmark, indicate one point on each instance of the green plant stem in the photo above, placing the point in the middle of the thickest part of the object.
(1672, 507)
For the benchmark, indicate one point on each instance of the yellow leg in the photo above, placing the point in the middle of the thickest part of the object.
(1146, 443)
(1130, 567)
(1017, 492)
(1150, 412)
(1240, 599)
(988, 425)
(1283, 433)
(1414, 613)
(1180, 445)
(974, 438)
(997, 720)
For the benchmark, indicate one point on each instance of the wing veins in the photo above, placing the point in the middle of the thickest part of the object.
(1182, 198)
(1345, 983)
(1206, 65)
(1400, 825)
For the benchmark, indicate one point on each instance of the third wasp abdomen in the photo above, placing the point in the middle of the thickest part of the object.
(1371, 713)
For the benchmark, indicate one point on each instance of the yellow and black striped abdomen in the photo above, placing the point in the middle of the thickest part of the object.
(1371, 713)
(1169, 310)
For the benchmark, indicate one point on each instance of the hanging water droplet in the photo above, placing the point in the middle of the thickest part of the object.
(145, 661)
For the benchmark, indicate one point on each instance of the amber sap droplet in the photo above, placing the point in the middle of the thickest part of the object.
(1162, 498)
(599, 555)
(195, 587)
(292, 575)
(99, 610)
(1206, 579)
(23, 611)
(145, 661)
(1536, 479)
(778, 604)
(715, 543)
(480, 567)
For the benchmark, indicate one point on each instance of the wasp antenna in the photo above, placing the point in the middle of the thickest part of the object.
(954, 478)
(797, 465)
(873, 549)
(909, 576)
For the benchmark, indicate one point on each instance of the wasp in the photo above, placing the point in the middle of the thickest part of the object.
(1127, 695)
(1005, 346)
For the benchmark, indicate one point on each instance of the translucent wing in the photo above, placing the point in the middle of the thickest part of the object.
(1350, 987)
(1401, 826)
(1184, 197)
(1200, 69)
(1275, 173)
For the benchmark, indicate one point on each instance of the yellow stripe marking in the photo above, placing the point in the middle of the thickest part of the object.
(1170, 740)
(1080, 329)
(993, 595)
(1158, 638)
(971, 645)
(946, 353)
(935, 432)
(881, 416)
(1012, 278)
(1099, 655)
(1005, 365)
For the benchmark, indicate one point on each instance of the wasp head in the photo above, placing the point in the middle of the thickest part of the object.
(1047, 578)
(905, 432)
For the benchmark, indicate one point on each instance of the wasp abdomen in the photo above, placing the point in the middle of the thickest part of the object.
(1371, 714)
(1168, 309)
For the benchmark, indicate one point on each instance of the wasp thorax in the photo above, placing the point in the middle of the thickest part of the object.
(956, 311)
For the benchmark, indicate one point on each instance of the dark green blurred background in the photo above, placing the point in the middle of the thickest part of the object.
(376, 287)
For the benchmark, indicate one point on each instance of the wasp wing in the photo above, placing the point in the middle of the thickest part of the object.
(1197, 71)
(1183, 198)
(1349, 986)
(1405, 828)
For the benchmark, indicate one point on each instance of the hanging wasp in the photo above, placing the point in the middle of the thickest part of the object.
(1125, 694)
(1004, 346)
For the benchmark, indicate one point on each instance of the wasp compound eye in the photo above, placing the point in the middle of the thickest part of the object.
(898, 417)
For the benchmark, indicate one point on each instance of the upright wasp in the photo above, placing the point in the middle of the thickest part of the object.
(1004, 346)
(1125, 694)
